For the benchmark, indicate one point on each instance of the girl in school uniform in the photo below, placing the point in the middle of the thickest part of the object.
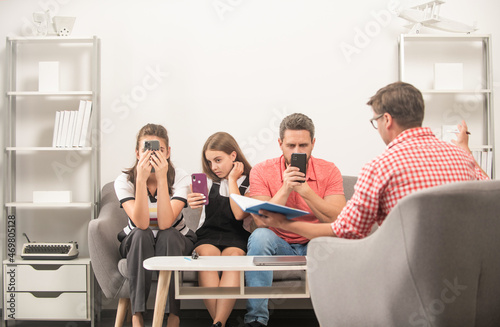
(153, 200)
(221, 231)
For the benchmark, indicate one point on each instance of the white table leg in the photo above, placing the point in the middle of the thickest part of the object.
(161, 297)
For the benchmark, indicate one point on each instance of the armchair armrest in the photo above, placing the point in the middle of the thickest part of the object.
(104, 245)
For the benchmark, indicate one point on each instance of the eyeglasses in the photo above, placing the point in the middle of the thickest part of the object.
(373, 121)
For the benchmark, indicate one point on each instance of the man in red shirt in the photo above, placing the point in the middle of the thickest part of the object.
(319, 191)
(413, 160)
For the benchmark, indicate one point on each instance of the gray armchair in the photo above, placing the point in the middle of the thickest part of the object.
(435, 261)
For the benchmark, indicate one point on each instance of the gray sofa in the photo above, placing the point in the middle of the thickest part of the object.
(435, 261)
(110, 269)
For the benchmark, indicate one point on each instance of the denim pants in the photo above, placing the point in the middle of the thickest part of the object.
(264, 241)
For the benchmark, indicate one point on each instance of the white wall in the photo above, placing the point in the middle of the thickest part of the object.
(240, 66)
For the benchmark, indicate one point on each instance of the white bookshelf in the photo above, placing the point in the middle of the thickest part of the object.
(473, 102)
(32, 164)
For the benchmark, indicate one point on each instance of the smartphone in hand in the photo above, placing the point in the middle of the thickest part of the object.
(153, 145)
(200, 185)
(299, 160)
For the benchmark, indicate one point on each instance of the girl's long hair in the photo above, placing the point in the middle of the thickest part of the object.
(160, 132)
(224, 142)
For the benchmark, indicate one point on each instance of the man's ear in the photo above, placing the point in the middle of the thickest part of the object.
(280, 142)
(389, 121)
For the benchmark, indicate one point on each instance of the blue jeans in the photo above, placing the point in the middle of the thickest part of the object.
(264, 241)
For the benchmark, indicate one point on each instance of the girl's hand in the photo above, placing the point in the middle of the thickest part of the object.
(195, 200)
(159, 163)
(237, 171)
(144, 165)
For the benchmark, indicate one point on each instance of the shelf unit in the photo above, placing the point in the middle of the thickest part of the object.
(472, 102)
(49, 289)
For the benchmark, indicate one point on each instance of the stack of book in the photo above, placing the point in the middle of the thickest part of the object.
(484, 158)
(71, 127)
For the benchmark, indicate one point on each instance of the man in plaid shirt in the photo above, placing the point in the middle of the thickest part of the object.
(413, 160)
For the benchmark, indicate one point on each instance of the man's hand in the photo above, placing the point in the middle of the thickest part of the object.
(269, 219)
(292, 177)
(304, 228)
(462, 137)
(463, 142)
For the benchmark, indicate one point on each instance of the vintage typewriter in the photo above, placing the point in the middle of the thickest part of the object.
(50, 251)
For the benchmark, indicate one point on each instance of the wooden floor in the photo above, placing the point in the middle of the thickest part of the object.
(191, 318)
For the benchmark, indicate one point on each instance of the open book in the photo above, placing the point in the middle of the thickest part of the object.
(253, 206)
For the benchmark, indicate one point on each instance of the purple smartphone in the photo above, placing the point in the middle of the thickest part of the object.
(199, 184)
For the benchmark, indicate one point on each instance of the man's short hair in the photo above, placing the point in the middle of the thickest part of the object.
(297, 122)
(402, 101)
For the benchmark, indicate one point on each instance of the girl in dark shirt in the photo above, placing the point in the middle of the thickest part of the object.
(221, 232)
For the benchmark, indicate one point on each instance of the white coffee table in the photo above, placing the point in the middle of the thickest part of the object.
(165, 265)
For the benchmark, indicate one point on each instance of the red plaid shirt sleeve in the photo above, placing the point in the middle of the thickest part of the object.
(362, 211)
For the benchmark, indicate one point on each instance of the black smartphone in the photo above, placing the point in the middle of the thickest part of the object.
(299, 160)
(153, 145)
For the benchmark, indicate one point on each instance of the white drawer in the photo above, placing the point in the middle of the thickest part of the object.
(50, 306)
(45, 278)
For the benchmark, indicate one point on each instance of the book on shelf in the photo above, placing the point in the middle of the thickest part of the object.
(253, 206)
(55, 137)
(86, 123)
(64, 129)
(71, 129)
(484, 158)
(489, 164)
(79, 123)
(71, 126)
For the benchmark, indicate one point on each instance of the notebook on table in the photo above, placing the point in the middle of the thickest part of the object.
(280, 260)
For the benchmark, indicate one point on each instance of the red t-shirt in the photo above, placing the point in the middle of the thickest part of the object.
(324, 178)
